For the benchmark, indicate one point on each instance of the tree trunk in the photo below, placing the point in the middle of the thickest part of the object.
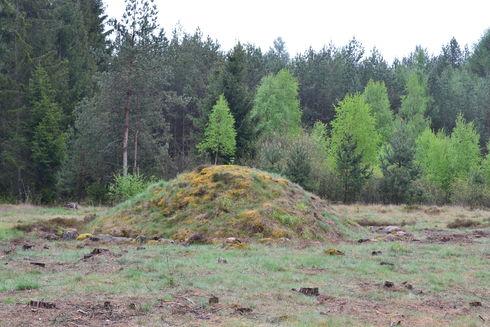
(135, 162)
(216, 158)
(126, 134)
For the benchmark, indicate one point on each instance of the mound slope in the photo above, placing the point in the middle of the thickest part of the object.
(224, 201)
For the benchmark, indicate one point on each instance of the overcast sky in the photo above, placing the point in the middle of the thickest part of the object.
(395, 27)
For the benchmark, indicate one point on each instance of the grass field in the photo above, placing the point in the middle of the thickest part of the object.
(440, 276)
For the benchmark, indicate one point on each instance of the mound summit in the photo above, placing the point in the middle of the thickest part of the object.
(220, 202)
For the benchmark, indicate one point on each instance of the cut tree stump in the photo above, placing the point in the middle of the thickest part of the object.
(309, 291)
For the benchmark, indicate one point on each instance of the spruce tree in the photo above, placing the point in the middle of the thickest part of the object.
(219, 136)
(239, 96)
(48, 139)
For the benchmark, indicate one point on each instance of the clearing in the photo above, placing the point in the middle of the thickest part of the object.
(422, 274)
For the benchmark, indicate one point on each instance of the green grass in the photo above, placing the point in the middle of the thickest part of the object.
(261, 277)
(286, 219)
(158, 267)
(18, 282)
(8, 233)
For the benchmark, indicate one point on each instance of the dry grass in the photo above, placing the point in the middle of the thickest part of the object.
(18, 218)
(463, 223)
(414, 217)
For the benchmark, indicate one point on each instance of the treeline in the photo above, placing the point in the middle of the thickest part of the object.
(84, 99)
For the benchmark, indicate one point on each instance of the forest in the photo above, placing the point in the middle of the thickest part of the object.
(89, 104)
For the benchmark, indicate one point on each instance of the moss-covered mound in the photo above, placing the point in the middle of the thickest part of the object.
(223, 201)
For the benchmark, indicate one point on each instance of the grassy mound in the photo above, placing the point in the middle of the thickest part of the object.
(223, 201)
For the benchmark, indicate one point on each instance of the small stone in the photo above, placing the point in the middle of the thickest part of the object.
(141, 239)
(69, 234)
(72, 205)
(390, 229)
(232, 240)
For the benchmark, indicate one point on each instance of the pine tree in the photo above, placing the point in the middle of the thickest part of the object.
(353, 173)
(139, 40)
(480, 59)
(277, 57)
(220, 135)
(398, 167)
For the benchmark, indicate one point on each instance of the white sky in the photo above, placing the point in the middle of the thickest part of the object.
(395, 27)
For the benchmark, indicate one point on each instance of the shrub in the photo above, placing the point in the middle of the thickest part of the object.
(426, 192)
(328, 185)
(463, 223)
(97, 192)
(486, 166)
(299, 162)
(125, 187)
(472, 192)
(304, 160)
(292, 158)
(370, 192)
(271, 154)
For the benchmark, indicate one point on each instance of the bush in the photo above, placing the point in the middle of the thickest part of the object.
(303, 160)
(299, 163)
(473, 192)
(463, 223)
(272, 154)
(328, 184)
(97, 193)
(370, 192)
(125, 187)
(426, 192)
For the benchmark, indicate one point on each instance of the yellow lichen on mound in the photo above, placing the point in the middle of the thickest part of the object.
(224, 201)
(84, 236)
